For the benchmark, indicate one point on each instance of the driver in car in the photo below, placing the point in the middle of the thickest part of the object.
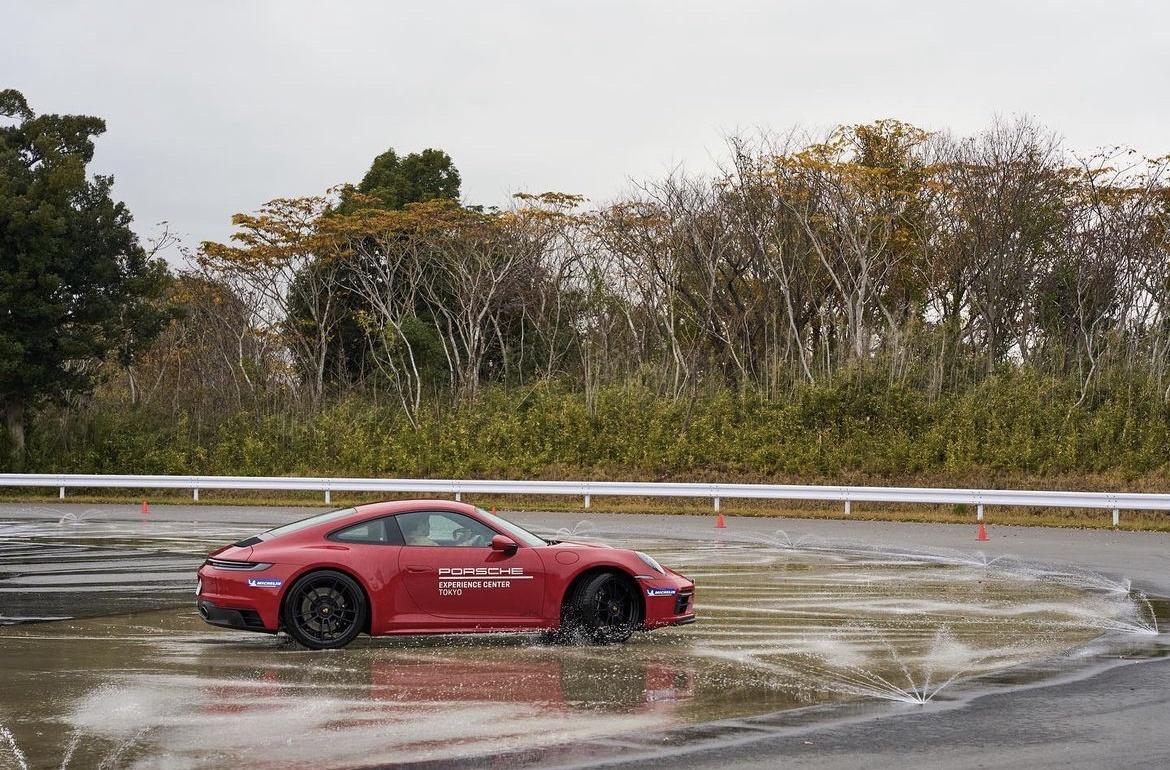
(466, 536)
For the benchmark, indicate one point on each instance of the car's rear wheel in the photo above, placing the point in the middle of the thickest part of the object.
(325, 610)
(603, 609)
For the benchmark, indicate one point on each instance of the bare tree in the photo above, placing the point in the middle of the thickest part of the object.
(290, 276)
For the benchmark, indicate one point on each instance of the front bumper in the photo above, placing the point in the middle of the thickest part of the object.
(669, 601)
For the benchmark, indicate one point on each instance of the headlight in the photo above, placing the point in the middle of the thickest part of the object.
(650, 561)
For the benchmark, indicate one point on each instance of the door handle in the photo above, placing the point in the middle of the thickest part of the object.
(418, 570)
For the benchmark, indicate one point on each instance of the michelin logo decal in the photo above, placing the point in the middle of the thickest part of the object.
(453, 580)
(660, 592)
(265, 582)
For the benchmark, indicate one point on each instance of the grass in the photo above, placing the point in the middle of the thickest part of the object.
(949, 514)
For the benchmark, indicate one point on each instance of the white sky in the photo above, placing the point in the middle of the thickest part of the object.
(216, 106)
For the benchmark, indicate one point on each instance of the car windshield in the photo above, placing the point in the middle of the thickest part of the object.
(312, 521)
(516, 531)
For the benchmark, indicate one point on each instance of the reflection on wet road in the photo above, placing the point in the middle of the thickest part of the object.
(783, 625)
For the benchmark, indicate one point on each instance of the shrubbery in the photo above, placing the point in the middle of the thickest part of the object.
(856, 428)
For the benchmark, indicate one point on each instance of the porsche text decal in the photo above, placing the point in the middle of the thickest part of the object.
(454, 580)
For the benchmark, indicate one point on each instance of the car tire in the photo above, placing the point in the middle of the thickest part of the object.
(603, 609)
(324, 610)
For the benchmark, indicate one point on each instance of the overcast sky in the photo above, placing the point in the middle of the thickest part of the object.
(214, 107)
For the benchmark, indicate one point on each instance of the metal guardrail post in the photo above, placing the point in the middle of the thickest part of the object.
(586, 501)
(328, 497)
(1116, 517)
(979, 512)
(62, 495)
(195, 494)
(716, 505)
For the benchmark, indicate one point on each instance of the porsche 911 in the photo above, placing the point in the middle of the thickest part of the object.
(434, 567)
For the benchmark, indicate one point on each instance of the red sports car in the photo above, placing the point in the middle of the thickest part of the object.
(430, 566)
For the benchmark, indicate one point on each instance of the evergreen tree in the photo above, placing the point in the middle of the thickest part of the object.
(75, 284)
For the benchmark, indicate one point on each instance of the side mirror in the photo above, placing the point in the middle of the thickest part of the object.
(504, 543)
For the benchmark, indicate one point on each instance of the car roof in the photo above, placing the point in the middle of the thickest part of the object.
(391, 507)
(344, 517)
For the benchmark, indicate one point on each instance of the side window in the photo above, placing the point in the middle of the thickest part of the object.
(380, 531)
(444, 528)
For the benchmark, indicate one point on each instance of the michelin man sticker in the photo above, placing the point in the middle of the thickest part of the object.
(265, 582)
(660, 592)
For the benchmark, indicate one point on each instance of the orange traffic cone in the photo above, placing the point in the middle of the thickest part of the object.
(720, 523)
(145, 508)
(982, 536)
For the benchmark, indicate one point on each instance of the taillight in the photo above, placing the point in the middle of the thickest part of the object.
(239, 566)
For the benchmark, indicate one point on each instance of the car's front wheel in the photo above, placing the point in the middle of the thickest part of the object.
(603, 609)
(325, 610)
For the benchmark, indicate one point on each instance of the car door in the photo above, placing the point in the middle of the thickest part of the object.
(451, 571)
(373, 547)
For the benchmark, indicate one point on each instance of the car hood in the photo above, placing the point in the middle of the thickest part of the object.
(576, 544)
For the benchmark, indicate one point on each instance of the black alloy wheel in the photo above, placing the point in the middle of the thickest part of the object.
(604, 609)
(324, 610)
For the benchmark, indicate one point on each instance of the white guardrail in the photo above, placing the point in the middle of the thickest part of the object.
(978, 498)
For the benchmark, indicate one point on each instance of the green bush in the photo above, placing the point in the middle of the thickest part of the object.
(858, 427)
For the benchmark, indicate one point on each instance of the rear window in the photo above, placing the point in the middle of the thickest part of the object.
(312, 521)
(382, 531)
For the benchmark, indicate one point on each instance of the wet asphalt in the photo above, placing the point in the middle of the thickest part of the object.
(1105, 717)
(1116, 718)
(1102, 712)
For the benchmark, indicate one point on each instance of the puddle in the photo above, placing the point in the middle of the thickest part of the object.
(784, 625)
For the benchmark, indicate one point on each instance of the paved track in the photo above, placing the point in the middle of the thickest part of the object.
(1115, 716)
(1119, 718)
